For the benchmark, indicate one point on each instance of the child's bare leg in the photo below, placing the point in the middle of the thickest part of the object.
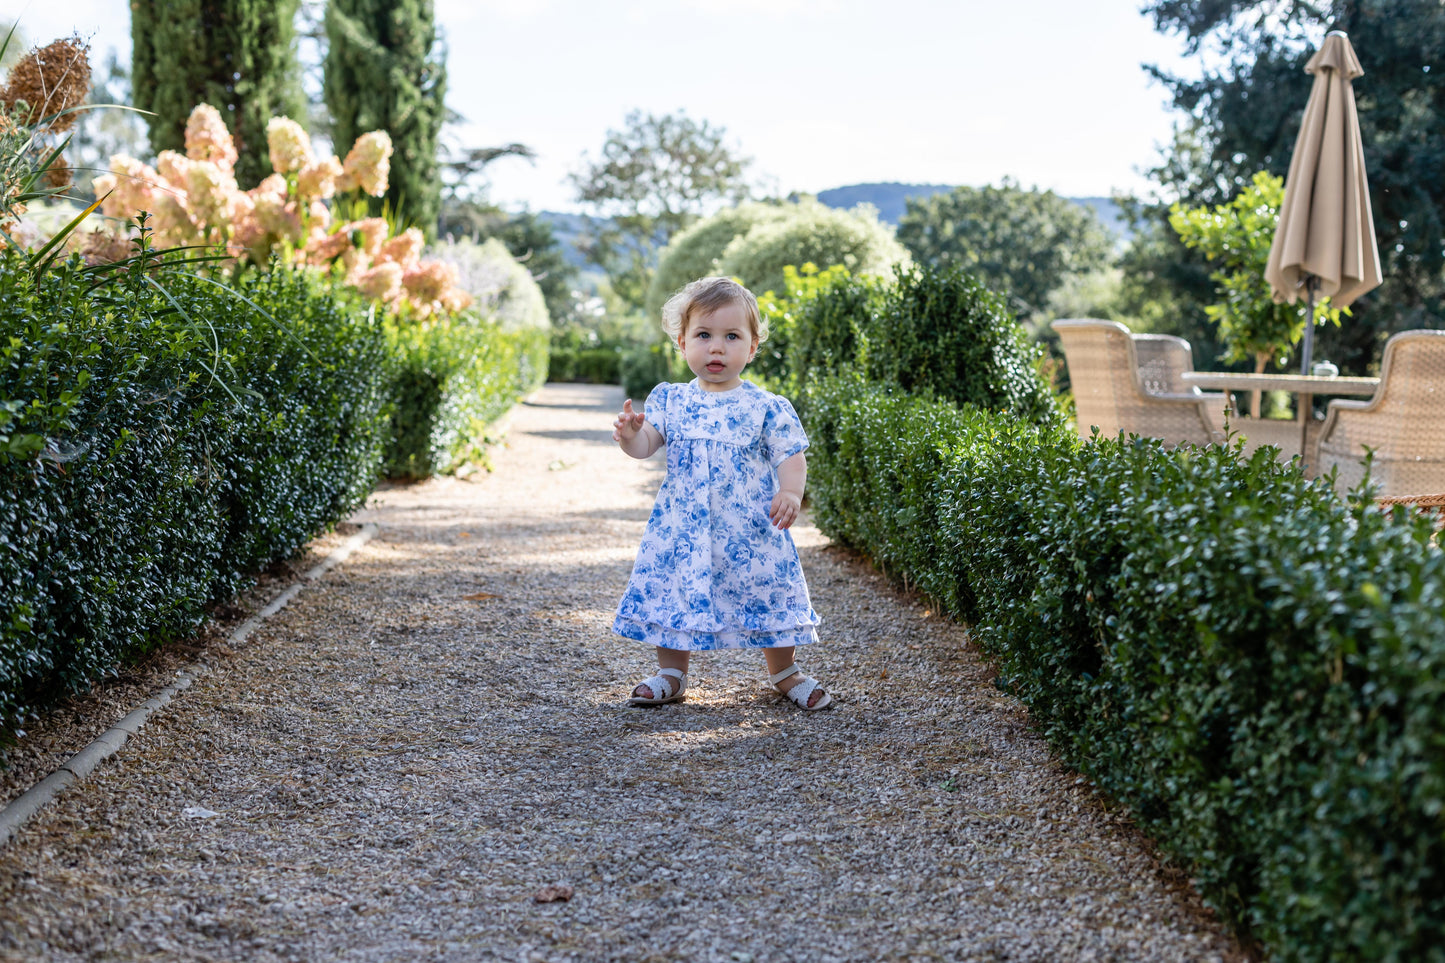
(778, 660)
(666, 659)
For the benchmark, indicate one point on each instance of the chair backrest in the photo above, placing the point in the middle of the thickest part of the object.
(1404, 423)
(1109, 392)
(1162, 359)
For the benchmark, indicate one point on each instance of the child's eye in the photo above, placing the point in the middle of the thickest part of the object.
(732, 335)
(702, 335)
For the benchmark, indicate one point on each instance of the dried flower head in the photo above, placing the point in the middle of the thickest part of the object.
(49, 81)
(289, 144)
(207, 138)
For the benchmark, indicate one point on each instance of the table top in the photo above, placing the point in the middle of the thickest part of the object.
(1299, 384)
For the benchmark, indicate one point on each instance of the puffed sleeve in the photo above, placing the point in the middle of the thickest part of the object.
(655, 408)
(783, 435)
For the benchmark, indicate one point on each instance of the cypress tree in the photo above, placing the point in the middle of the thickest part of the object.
(238, 56)
(381, 74)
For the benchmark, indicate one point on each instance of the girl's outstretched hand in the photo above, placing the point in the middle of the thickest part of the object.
(784, 510)
(628, 424)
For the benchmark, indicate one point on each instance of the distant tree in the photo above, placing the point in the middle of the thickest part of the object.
(1023, 243)
(654, 178)
(384, 70)
(1243, 114)
(236, 55)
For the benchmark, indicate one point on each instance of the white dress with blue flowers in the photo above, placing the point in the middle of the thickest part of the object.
(713, 572)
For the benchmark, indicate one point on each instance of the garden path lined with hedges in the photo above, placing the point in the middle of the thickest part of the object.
(401, 759)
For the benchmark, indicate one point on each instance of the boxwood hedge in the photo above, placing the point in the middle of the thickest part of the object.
(162, 435)
(1251, 664)
(452, 377)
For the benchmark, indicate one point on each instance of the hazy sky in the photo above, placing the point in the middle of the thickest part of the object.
(820, 93)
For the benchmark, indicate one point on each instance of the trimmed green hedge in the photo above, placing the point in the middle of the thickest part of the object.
(594, 366)
(452, 377)
(161, 436)
(1253, 666)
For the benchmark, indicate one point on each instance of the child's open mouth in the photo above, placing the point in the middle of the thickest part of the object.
(714, 366)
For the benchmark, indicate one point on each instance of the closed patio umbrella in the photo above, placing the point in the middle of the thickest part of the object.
(1325, 242)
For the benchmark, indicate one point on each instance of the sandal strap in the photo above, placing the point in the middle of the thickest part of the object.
(662, 687)
(799, 692)
(789, 671)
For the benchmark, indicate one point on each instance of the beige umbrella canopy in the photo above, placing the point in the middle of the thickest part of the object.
(1325, 242)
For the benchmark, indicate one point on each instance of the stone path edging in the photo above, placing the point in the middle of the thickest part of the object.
(22, 809)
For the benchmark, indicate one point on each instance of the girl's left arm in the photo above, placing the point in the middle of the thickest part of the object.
(792, 478)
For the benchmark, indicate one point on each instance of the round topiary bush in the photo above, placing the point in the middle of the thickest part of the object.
(694, 253)
(812, 233)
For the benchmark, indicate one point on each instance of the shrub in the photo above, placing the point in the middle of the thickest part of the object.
(811, 233)
(1246, 661)
(940, 331)
(453, 377)
(934, 331)
(694, 252)
(646, 366)
(156, 447)
(502, 286)
(597, 366)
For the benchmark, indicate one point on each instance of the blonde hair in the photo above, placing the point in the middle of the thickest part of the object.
(703, 297)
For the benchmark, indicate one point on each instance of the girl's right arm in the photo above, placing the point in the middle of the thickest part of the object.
(632, 432)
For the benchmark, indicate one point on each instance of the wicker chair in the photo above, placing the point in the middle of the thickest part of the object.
(1162, 359)
(1404, 423)
(1112, 393)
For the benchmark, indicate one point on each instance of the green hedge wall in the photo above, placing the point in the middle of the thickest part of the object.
(160, 437)
(453, 376)
(594, 366)
(1255, 667)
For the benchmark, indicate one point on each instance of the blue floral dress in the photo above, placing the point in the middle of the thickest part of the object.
(713, 572)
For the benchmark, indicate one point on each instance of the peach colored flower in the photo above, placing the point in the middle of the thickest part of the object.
(368, 164)
(427, 282)
(207, 138)
(173, 168)
(383, 282)
(372, 231)
(209, 188)
(318, 178)
(290, 146)
(278, 216)
(274, 185)
(404, 249)
(323, 248)
(319, 215)
(132, 187)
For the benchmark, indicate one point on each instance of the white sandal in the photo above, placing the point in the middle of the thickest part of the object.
(660, 683)
(800, 691)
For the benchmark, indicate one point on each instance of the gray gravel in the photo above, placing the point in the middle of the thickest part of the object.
(398, 762)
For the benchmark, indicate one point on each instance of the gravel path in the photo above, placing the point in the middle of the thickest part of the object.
(400, 760)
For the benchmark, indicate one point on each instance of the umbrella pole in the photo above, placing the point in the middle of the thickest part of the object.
(1306, 408)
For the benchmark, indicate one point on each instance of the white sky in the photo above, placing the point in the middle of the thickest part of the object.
(820, 93)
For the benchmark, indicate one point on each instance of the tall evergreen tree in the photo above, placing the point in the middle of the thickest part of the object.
(385, 71)
(236, 55)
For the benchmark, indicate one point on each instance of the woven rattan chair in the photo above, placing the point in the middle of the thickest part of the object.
(1111, 391)
(1162, 359)
(1404, 423)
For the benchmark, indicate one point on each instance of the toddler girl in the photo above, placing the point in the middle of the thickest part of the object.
(717, 568)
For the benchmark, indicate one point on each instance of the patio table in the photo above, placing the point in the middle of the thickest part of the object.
(1304, 386)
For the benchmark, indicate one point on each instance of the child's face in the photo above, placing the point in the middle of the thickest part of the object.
(718, 346)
